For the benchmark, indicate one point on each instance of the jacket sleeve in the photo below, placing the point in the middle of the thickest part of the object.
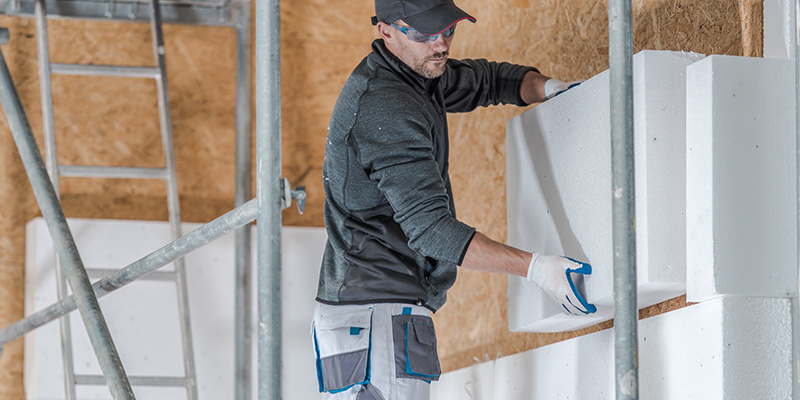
(469, 84)
(393, 145)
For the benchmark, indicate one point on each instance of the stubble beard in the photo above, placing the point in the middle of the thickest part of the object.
(432, 70)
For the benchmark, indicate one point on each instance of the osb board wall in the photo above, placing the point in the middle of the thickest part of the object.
(104, 120)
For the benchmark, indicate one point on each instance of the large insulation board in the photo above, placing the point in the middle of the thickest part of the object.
(143, 316)
(730, 348)
(559, 189)
(741, 191)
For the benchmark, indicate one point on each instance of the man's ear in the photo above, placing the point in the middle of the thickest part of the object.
(385, 31)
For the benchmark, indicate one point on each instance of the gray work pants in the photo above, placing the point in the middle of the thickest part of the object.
(382, 351)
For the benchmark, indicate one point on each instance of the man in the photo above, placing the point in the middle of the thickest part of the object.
(394, 242)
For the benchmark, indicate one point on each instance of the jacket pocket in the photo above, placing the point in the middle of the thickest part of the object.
(415, 347)
(342, 345)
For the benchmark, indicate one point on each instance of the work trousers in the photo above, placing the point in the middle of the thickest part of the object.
(383, 351)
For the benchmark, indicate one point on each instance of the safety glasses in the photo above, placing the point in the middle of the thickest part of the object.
(417, 36)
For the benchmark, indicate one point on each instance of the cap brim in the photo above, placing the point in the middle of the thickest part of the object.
(437, 19)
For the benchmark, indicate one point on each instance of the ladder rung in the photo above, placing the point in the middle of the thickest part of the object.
(99, 273)
(134, 380)
(104, 70)
(88, 171)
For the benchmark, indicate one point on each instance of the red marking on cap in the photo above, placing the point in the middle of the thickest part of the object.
(457, 21)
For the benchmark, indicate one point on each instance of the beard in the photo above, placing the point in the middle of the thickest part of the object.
(431, 70)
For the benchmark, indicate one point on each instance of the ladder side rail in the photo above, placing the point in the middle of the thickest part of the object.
(172, 196)
(45, 87)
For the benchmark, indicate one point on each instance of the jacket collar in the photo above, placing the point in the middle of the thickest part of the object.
(385, 58)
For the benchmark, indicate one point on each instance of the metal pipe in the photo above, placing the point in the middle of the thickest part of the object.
(198, 238)
(796, 300)
(268, 134)
(104, 70)
(92, 316)
(623, 204)
(91, 171)
(244, 182)
(163, 276)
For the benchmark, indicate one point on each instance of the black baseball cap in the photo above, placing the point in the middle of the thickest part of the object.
(427, 16)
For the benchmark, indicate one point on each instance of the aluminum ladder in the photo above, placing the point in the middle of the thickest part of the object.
(159, 74)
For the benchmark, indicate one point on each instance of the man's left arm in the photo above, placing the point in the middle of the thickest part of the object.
(536, 88)
(532, 88)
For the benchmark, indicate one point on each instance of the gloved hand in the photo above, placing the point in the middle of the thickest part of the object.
(554, 275)
(554, 87)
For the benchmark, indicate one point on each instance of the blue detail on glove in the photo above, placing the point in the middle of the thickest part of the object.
(584, 269)
(568, 88)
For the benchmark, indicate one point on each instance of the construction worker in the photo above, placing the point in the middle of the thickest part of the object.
(394, 242)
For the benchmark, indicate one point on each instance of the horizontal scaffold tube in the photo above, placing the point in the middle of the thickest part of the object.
(198, 238)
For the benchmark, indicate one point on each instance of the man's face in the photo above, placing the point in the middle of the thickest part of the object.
(427, 59)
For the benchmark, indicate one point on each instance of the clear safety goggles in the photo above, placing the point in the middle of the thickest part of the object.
(417, 36)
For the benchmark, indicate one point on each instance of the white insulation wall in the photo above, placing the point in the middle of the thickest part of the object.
(741, 178)
(714, 142)
(732, 348)
(559, 189)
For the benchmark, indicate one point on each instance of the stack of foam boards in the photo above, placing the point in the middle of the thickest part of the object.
(143, 316)
(559, 189)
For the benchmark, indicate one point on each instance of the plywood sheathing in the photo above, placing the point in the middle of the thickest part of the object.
(751, 14)
(564, 39)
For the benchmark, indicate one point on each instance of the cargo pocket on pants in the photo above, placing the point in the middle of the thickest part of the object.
(415, 347)
(342, 344)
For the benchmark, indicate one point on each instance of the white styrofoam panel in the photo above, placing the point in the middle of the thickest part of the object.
(142, 316)
(731, 348)
(779, 37)
(741, 206)
(559, 189)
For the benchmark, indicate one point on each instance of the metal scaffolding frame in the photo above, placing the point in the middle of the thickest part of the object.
(227, 13)
(85, 299)
(167, 174)
(272, 196)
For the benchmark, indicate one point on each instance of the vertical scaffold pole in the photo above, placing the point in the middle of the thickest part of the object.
(243, 194)
(621, 99)
(268, 170)
(796, 300)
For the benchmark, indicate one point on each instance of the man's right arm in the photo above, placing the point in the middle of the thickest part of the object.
(553, 274)
(485, 254)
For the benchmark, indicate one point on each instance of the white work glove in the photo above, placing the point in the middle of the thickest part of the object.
(554, 87)
(553, 274)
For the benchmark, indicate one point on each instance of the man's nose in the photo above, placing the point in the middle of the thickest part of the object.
(440, 44)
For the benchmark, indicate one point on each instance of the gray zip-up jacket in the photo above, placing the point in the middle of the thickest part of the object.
(393, 235)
